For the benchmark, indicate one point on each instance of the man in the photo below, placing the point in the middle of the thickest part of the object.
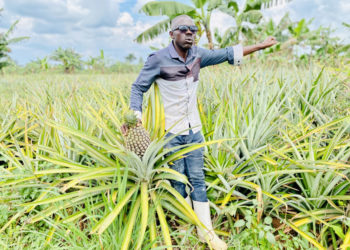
(176, 71)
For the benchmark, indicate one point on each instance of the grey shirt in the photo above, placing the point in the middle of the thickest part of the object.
(177, 81)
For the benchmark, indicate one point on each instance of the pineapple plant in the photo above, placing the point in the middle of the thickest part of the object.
(137, 137)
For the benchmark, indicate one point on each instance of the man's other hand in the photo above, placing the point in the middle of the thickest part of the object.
(270, 41)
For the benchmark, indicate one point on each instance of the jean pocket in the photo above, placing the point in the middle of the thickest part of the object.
(198, 137)
(171, 142)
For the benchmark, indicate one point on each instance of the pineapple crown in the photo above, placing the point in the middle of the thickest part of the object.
(130, 118)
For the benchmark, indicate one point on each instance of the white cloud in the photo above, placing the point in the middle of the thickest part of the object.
(277, 12)
(125, 19)
(24, 27)
(125, 34)
(74, 6)
(221, 21)
(90, 25)
(90, 13)
(345, 6)
(139, 4)
(1, 4)
(157, 42)
(117, 1)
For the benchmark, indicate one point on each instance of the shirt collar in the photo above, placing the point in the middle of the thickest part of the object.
(174, 54)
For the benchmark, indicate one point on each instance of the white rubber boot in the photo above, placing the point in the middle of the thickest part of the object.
(202, 211)
(189, 201)
(185, 228)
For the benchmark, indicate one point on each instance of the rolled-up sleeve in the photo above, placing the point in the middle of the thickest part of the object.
(233, 55)
(143, 82)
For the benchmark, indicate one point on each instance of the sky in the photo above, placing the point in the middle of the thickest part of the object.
(112, 25)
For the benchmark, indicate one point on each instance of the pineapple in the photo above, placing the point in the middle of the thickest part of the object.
(137, 137)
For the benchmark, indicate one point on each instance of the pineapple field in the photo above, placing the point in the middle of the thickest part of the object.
(277, 161)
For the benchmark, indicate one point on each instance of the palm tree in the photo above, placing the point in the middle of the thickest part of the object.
(269, 28)
(40, 64)
(324, 46)
(245, 19)
(70, 59)
(98, 62)
(130, 58)
(200, 11)
(5, 41)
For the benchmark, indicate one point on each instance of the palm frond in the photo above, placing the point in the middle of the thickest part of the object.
(252, 16)
(266, 4)
(17, 39)
(11, 29)
(166, 8)
(154, 31)
(346, 24)
(201, 3)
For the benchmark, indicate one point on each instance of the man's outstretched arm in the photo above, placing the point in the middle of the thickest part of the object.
(270, 41)
(233, 54)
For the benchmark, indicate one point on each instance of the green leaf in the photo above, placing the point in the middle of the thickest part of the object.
(270, 237)
(166, 8)
(252, 16)
(107, 220)
(239, 223)
(213, 4)
(130, 224)
(154, 31)
(338, 230)
(306, 236)
(87, 192)
(233, 5)
(200, 3)
(268, 220)
(261, 234)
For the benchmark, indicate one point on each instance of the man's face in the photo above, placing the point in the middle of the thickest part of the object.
(184, 40)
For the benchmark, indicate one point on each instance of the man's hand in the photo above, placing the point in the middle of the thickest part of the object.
(270, 41)
(124, 127)
(265, 44)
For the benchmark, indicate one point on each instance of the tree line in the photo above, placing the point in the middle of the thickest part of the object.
(297, 40)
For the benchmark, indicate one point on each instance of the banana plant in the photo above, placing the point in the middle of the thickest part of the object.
(245, 17)
(98, 62)
(38, 65)
(270, 28)
(70, 59)
(200, 11)
(5, 41)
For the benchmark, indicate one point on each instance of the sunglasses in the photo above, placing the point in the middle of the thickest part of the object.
(185, 28)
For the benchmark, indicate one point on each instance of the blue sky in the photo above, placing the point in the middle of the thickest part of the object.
(90, 25)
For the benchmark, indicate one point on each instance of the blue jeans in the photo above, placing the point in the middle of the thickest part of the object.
(191, 166)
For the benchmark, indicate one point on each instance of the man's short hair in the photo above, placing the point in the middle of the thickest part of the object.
(176, 20)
